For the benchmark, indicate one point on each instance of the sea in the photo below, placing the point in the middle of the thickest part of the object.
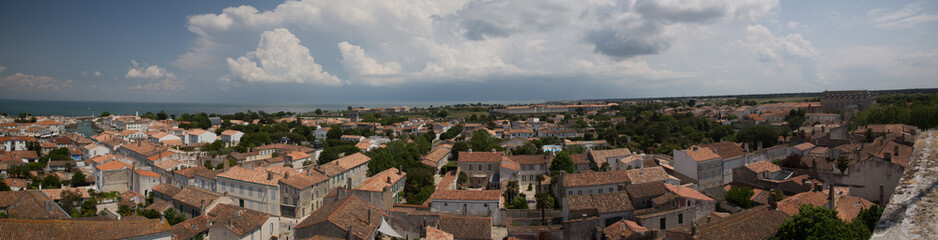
(87, 108)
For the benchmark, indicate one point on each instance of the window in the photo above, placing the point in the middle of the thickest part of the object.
(490, 167)
(610, 190)
(680, 218)
(662, 223)
(470, 167)
(480, 167)
(579, 191)
(242, 188)
(250, 191)
(570, 193)
(600, 190)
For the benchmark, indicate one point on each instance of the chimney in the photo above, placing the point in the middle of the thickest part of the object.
(399, 169)
(759, 145)
(348, 183)
(694, 148)
(895, 150)
(887, 156)
(746, 146)
(493, 150)
(202, 208)
(882, 196)
(830, 197)
(368, 220)
(772, 202)
(270, 176)
(470, 149)
(693, 228)
(389, 180)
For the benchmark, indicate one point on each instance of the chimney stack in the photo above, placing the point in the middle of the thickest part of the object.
(772, 202)
(693, 228)
(831, 198)
(270, 176)
(882, 196)
(895, 150)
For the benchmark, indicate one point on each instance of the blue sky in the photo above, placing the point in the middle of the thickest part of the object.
(466, 50)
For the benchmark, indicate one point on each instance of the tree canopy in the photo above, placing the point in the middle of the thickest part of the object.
(818, 222)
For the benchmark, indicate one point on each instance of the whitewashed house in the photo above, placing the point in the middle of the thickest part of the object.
(199, 136)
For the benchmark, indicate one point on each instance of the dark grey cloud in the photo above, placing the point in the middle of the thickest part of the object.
(653, 10)
(644, 29)
(502, 18)
(625, 44)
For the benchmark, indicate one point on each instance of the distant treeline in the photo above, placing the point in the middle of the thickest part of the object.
(775, 95)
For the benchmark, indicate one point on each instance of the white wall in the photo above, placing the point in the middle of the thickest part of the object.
(473, 207)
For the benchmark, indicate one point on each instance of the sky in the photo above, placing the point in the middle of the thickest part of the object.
(326, 51)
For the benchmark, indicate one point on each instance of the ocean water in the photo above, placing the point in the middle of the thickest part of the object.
(85, 108)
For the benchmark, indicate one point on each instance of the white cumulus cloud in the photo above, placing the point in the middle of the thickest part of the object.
(156, 78)
(762, 43)
(26, 82)
(279, 57)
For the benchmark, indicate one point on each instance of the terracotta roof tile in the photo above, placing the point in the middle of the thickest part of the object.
(595, 178)
(623, 229)
(602, 202)
(726, 150)
(251, 175)
(167, 189)
(755, 223)
(645, 190)
(480, 156)
(113, 165)
(348, 213)
(648, 174)
(478, 195)
(239, 220)
(81, 229)
(763, 166)
(699, 153)
(467, 227)
(383, 179)
(194, 196)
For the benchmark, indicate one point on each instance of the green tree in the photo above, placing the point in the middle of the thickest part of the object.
(70, 200)
(334, 133)
(767, 135)
(544, 201)
(318, 111)
(512, 189)
(173, 217)
(4, 186)
(162, 115)
(869, 217)
(79, 179)
(518, 202)
(740, 196)
(51, 182)
(843, 162)
(462, 179)
(105, 114)
(562, 162)
(818, 222)
(125, 210)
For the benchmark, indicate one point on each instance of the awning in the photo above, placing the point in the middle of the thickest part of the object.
(387, 230)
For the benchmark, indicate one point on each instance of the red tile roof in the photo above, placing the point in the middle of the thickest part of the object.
(700, 154)
(383, 179)
(480, 156)
(763, 166)
(82, 229)
(113, 165)
(595, 178)
(473, 195)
